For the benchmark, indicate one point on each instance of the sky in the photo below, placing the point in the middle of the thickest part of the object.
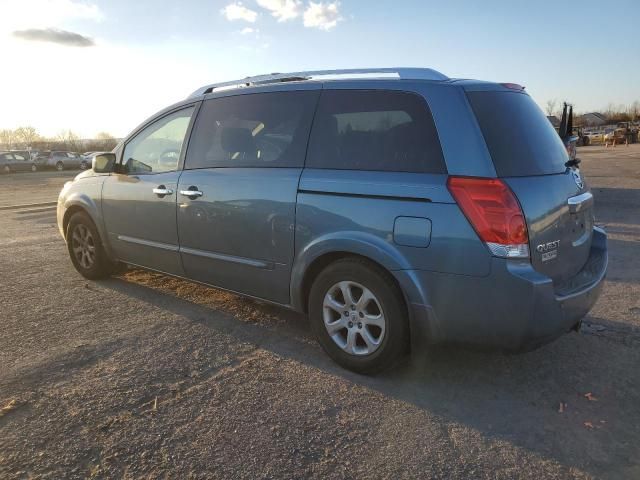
(106, 65)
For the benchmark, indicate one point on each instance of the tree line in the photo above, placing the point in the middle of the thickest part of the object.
(28, 138)
(613, 113)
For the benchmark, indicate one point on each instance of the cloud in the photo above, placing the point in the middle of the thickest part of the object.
(54, 35)
(248, 30)
(324, 16)
(237, 11)
(283, 10)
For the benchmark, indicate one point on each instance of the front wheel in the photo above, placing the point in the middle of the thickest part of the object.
(6, 169)
(59, 166)
(34, 168)
(358, 316)
(85, 248)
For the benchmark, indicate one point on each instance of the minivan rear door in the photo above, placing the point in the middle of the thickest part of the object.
(530, 157)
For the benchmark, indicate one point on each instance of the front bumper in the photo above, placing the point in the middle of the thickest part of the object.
(513, 308)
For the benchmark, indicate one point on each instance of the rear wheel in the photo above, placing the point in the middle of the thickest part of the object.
(85, 248)
(6, 169)
(59, 166)
(358, 316)
(34, 168)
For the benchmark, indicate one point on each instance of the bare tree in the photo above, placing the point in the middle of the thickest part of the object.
(105, 141)
(26, 135)
(7, 138)
(634, 110)
(551, 106)
(104, 136)
(70, 140)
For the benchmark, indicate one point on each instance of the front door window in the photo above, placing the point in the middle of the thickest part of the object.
(157, 148)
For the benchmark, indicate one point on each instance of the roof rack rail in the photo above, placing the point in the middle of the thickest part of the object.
(400, 73)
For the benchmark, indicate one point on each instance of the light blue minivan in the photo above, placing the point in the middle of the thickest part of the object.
(396, 207)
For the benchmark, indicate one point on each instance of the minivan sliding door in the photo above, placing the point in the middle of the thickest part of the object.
(237, 193)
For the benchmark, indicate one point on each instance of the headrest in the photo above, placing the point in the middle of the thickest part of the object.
(237, 140)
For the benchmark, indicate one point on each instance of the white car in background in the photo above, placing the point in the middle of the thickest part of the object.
(595, 138)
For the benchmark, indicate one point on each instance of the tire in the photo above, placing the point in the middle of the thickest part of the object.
(388, 339)
(6, 169)
(59, 166)
(85, 248)
(34, 168)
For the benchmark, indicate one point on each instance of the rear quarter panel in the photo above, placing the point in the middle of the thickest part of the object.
(355, 212)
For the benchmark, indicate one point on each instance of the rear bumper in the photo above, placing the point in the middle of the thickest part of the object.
(513, 308)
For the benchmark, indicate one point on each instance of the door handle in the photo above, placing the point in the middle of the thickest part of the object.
(162, 191)
(192, 192)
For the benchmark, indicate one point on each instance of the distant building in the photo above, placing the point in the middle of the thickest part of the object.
(594, 119)
(554, 120)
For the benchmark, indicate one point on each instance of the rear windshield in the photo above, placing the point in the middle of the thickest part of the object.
(521, 140)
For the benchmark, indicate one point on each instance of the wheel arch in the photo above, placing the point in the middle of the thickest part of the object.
(80, 202)
(323, 261)
(70, 211)
(316, 255)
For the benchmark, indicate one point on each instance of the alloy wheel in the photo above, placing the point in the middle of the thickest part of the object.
(83, 246)
(353, 318)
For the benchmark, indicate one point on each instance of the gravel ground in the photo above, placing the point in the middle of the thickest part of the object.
(148, 376)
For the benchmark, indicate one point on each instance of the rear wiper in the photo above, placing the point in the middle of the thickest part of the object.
(572, 163)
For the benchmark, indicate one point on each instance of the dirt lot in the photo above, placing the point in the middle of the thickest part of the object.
(148, 376)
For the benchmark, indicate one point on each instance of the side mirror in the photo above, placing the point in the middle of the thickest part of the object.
(103, 162)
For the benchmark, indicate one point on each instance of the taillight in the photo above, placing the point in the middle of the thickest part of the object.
(495, 214)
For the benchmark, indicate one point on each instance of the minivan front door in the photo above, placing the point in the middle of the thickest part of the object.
(237, 194)
(139, 202)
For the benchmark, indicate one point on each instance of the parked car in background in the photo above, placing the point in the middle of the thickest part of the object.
(21, 153)
(615, 134)
(393, 212)
(595, 138)
(41, 158)
(87, 157)
(16, 162)
(61, 160)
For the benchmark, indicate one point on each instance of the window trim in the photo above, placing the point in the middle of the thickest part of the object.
(420, 97)
(180, 166)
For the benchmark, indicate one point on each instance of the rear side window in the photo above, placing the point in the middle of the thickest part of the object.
(253, 130)
(377, 130)
(520, 138)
